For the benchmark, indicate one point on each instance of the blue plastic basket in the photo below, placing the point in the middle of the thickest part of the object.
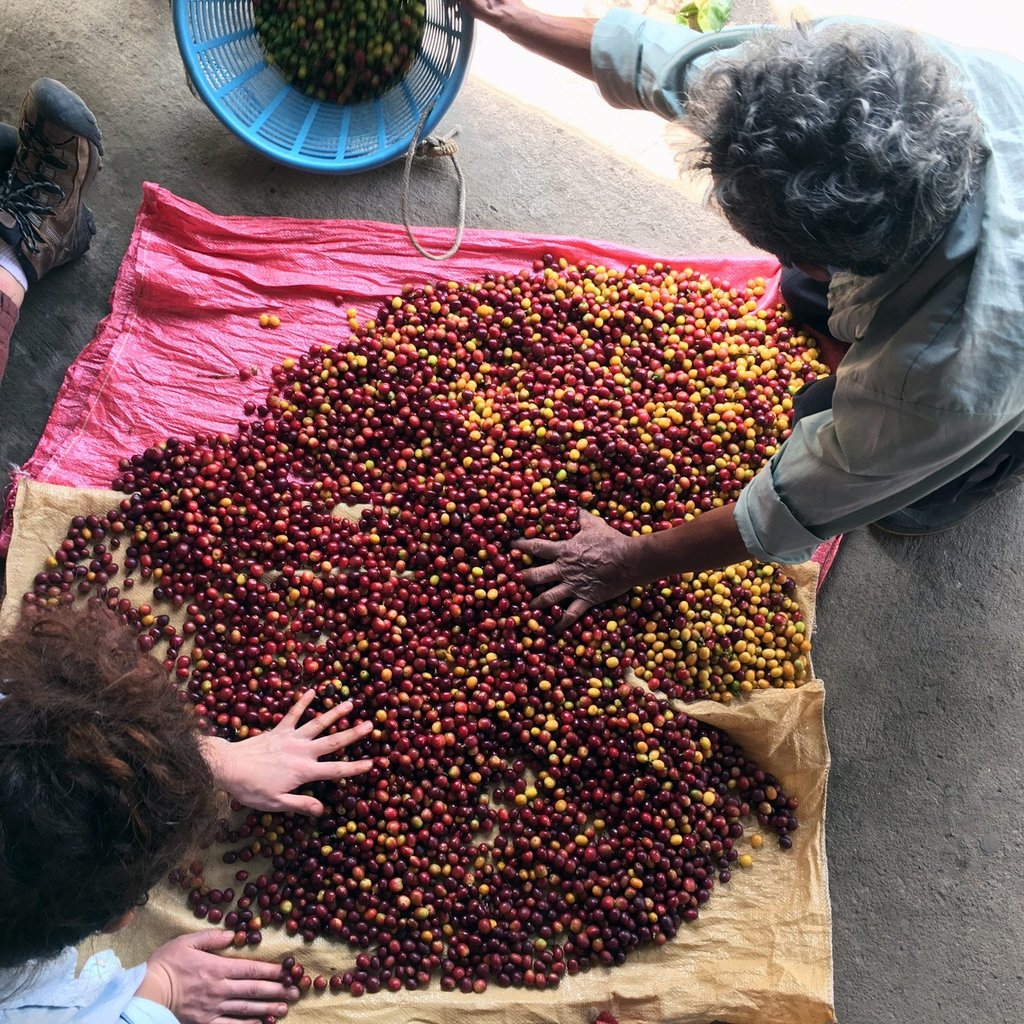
(229, 70)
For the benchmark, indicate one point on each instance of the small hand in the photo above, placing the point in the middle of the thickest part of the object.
(262, 771)
(599, 563)
(200, 987)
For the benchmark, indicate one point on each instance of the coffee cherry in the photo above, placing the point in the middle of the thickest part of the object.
(538, 804)
(344, 50)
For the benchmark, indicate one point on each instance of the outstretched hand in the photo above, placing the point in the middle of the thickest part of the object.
(201, 987)
(262, 771)
(596, 565)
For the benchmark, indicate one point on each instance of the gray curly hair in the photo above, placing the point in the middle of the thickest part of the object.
(850, 145)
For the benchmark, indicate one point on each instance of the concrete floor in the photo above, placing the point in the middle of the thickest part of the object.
(918, 641)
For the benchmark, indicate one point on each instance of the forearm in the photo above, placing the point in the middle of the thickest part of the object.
(565, 41)
(710, 541)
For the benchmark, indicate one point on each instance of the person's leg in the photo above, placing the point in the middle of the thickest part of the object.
(813, 397)
(951, 504)
(10, 306)
(807, 301)
(12, 277)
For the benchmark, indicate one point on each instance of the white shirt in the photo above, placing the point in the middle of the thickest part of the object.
(48, 992)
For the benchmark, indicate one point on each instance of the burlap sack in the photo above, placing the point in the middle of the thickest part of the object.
(761, 952)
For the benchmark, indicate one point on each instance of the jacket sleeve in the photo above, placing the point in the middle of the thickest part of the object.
(868, 456)
(645, 64)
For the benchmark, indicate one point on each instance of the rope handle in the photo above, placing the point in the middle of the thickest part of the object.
(434, 146)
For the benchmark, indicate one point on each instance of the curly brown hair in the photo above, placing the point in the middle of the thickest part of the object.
(103, 786)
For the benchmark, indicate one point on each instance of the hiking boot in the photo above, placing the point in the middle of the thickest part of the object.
(8, 146)
(42, 209)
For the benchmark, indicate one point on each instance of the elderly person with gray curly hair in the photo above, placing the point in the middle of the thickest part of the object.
(883, 169)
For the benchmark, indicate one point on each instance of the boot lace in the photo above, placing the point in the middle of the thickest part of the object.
(22, 194)
(23, 203)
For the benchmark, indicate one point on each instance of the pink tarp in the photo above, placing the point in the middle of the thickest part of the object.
(185, 310)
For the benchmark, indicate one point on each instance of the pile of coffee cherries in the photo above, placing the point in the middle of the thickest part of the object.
(341, 51)
(538, 804)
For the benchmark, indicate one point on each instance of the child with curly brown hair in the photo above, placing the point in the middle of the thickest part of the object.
(105, 785)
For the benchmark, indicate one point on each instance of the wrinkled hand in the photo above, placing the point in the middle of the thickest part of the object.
(200, 987)
(599, 563)
(262, 771)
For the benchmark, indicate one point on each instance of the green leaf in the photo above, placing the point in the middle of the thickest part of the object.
(714, 15)
(705, 15)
